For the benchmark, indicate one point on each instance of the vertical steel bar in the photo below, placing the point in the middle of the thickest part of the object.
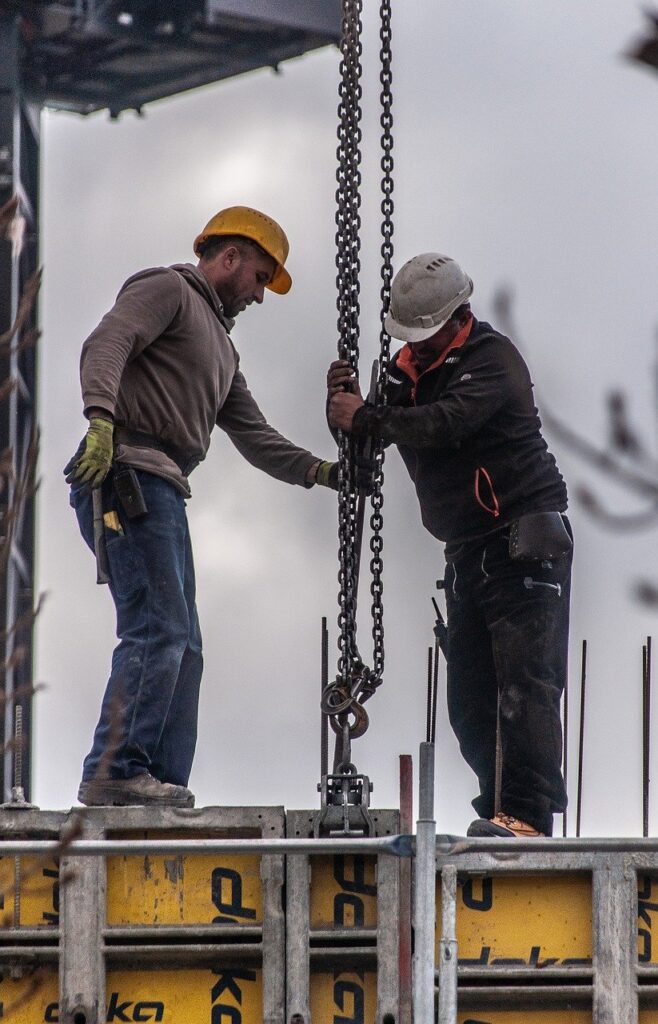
(406, 827)
(428, 723)
(272, 873)
(648, 734)
(648, 713)
(498, 778)
(581, 734)
(565, 748)
(425, 891)
(82, 910)
(645, 747)
(19, 177)
(614, 936)
(388, 938)
(324, 682)
(448, 947)
(298, 971)
(435, 689)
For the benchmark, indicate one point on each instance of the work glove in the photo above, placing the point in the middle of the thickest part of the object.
(326, 475)
(93, 460)
(364, 474)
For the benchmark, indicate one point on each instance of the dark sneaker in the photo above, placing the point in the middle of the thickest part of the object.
(140, 790)
(503, 825)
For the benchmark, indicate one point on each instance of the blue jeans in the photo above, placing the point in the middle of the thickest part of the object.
(148, 719)
(508, 628)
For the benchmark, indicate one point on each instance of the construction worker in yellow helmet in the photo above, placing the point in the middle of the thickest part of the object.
(158, 373)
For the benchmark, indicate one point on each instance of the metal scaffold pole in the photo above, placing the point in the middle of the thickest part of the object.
(424, 893)
(448, 947)
(19, 172)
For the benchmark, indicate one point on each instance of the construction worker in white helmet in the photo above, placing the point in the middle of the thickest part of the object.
(459, 407)
(158, 373)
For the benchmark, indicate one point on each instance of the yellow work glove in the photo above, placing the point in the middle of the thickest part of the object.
(364, 474)
(327, 475)
(94, 463)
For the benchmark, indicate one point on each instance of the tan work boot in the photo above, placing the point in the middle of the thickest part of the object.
(503, 825)
(138, 791)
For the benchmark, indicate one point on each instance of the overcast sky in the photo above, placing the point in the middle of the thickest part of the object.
(525, 147)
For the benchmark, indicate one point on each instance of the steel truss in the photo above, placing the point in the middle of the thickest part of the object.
(19, 177)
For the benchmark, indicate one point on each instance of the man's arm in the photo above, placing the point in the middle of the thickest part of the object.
(482, 385)
(260, 443)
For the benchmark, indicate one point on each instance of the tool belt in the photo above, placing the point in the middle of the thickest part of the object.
(539, 536)
(138, 439)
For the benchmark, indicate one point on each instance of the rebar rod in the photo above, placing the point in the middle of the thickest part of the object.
(428, 723)
(324, 682)
(435, 689)
(565, 749)
(646, 732)
(581, 735)
(498, 764)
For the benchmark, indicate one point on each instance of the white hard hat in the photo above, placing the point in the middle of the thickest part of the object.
(424, 295)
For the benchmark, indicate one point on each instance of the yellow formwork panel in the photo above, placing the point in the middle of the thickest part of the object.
(539, 920)
(527, 1017)
(38, 889)
(31, 999)
(185, 890)
(541, 1017)
(186, 997)
(170, 997)
(343, 997)
(647, 909)
(343, 892)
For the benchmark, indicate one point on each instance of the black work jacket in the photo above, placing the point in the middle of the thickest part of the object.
(470, 437)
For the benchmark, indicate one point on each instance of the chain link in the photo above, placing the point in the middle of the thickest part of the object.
(377, 498)
(348, 265)
(356, 683)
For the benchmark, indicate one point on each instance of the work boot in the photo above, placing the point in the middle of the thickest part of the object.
(138, 791)
(503, 825)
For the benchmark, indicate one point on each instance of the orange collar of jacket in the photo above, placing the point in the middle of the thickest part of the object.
(406, 361)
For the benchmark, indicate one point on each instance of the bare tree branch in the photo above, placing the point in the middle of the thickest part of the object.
(644, 480)
(615, 521)
(645, 50)
(25, 305)
(8, 213)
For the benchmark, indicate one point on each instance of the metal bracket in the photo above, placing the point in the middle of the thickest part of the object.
(18, 801)
(344, 802)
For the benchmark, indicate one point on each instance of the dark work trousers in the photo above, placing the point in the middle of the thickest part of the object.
(508, 626)
(148, 719)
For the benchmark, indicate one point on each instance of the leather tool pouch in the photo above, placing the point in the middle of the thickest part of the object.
(539, 536)
(129, 492)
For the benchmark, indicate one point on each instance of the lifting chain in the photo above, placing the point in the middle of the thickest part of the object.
(377, 499)
(348, 265)
(355, 683)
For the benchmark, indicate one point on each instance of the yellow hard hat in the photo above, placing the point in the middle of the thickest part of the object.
(270, 236)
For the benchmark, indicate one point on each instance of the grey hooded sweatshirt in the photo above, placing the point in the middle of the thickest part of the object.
(162, 363)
